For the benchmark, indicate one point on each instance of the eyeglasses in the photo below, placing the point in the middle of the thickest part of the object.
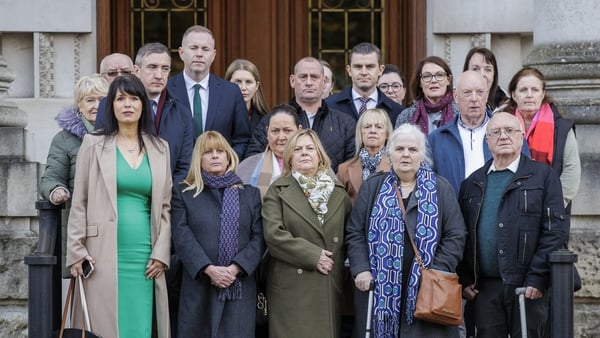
(394, 87)
(495, 133)
(115, 73)
(438, 77)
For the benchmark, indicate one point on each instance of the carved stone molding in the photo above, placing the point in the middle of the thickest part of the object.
(448, 48)
(77, 56)
(47, 58)
(479, 40)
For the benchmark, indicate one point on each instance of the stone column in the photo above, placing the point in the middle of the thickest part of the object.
(18, 192)
(567, 51)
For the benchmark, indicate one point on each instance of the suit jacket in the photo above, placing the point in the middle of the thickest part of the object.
(92, 228)
(176, 126)
(344, 103)
(297, 293)
(350, 174)
(226, 112)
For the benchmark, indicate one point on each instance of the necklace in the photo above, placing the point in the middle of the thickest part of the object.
(130, 149)
(408, 184)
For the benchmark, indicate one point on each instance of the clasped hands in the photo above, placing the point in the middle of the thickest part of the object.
(222, 276)
(325, 263)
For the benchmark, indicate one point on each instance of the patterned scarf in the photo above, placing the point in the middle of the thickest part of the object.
(420, 117)
(540, 135)
(230, 226)
(263, 175)
(386, 244)
(317, 190)
(369, 163)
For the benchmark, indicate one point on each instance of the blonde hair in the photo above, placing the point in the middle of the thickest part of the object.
(324, 161)
(382, 116)
(209, 140)
(90, 84)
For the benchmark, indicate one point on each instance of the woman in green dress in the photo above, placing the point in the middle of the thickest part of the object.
(119, 218)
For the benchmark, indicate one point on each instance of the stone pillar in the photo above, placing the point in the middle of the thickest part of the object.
(18, 216)
(567, 51)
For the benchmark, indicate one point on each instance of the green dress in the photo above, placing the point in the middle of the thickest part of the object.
(135, 292)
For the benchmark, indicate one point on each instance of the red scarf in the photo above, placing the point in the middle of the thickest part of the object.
(420, 117)
(540, 135)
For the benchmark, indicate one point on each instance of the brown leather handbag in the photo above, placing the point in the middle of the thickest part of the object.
(439, 299)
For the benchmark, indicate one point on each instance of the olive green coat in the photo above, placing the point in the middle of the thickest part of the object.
(302, 302)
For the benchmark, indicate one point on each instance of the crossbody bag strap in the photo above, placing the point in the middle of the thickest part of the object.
(412, 242)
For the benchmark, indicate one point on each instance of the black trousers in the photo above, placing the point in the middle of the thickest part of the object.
(496, 309)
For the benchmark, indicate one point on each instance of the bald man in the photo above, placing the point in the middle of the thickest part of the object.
(114, 65)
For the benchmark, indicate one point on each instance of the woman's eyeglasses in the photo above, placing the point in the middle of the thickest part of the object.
(426, 77)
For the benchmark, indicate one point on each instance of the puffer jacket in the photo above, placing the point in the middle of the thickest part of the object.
(62, 155)
(531, 224)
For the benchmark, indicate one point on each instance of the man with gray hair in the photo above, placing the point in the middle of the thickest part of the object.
(365, 68)
(172, 120)
(115, 64)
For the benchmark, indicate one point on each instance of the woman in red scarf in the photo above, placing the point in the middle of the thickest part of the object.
(550, 137)
(434, 105)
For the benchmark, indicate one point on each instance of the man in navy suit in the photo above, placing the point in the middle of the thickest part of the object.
(172, 119)
(365, 68)
(221, 106)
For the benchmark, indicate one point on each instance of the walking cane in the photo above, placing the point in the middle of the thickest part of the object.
(370, 309)
(521, 293)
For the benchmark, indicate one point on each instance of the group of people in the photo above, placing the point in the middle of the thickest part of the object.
(183, 187)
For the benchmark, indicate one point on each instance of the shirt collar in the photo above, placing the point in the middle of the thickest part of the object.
(512, 167)
(374, 95)
(461, 124)
(189, 83)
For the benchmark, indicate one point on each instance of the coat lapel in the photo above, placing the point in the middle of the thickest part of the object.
(355, 173)
(106, 152)
(214, 96)
(158, 171)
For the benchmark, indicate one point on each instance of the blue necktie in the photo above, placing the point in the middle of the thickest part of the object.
(197, 110)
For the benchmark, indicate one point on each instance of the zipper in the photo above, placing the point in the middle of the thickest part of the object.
(524, 247)
(525, 193)
(549, 220)
(480, 185)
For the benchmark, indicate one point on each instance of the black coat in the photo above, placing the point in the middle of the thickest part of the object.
(335, 130)
(196, 229)
(531, 224)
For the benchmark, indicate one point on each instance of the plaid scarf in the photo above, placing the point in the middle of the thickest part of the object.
(420, 117)
(230, 226)
(386, 245)
(540, 135)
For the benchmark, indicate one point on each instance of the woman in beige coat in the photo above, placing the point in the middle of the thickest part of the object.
(125, 287)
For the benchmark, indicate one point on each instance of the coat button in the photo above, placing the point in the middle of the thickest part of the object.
(336, 239)
(501, 252)
(501, 225)
(299, 271)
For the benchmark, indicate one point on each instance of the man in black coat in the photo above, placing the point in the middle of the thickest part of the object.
(364, 69)
(336, 130)
(515, 216)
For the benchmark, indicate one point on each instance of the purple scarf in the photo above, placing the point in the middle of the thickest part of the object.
(420, 117)
(230, 226)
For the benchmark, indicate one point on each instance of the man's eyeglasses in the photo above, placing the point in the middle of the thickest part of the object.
(438, 77)
(495, 133)
(115, 73)
(394, 87)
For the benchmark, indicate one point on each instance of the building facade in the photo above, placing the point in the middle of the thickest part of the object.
(45, 46)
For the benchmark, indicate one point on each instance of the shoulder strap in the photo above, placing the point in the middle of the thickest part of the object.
(412, 242)
(68, 304)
